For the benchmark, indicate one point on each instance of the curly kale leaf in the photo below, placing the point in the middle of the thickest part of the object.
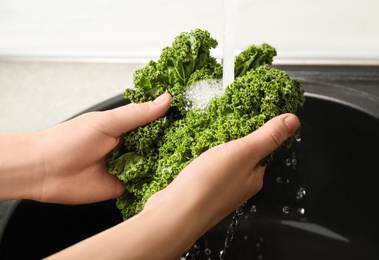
(252, 58)
(153, 155)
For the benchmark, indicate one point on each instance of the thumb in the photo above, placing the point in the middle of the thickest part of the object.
(270, 136)
(129, 117)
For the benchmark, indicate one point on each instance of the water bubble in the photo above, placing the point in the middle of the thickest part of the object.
(260, 257)
(298, 138)
(245, 237)
(207, 251)
(253, 209)
(286, 209)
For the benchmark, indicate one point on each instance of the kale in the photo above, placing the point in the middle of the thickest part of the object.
(153, 155)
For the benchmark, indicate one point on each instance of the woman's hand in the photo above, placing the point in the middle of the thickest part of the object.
(74, 152)
(206, 191)
(223, 178)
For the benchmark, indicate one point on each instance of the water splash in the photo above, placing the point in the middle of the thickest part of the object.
(200, 93)
(230, 233)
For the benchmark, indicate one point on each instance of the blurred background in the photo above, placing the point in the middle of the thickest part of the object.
(57, 58)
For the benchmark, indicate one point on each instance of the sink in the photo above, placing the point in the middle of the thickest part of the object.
(319, 199)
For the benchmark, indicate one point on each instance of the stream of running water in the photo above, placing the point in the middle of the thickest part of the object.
(230, 21)
(199, 95)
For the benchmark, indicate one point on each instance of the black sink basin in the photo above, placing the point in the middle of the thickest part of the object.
(320, 199)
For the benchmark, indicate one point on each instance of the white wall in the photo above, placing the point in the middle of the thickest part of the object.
(305, 29)
(35, 95)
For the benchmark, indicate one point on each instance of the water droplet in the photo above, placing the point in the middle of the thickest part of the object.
(286, 209)
(288, 162)
(279, 180)
(301, 211)
(222, 254)
(228, 239)
(207, 251)
(301, 193)
(298, 138)
(240, 211)
(253, 209)
(294, 161)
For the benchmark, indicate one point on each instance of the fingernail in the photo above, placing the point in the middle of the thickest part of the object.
(161, 98)
(292, 123)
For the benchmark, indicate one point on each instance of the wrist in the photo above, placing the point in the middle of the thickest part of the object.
(165, 229)
(21, 166)
(175, 220)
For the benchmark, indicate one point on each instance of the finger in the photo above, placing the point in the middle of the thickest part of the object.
(269, 137)
(129, 117)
